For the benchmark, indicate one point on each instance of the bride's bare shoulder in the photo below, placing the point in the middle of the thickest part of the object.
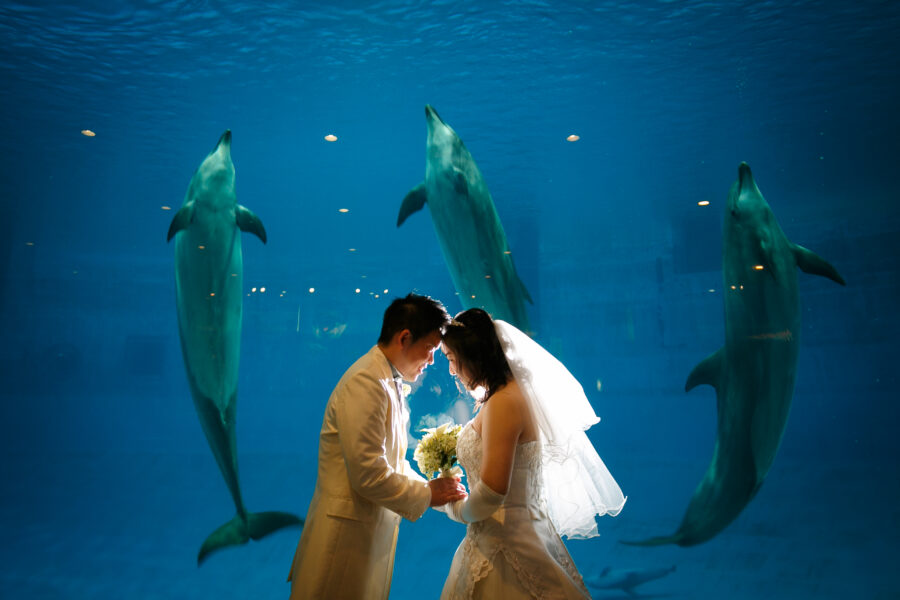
(508, 404)
(510, 395)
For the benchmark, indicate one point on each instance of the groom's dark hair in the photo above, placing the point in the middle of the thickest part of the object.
(420, 314)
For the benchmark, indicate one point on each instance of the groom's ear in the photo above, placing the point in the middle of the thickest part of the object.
(404, 337)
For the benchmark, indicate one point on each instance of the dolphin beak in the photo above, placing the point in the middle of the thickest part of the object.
(225, 139)
(745, 178)
(223, 146)
(432, 115)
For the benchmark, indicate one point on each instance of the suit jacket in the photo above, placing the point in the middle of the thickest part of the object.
(364, 486)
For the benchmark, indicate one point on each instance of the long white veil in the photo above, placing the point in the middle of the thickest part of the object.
(577, 485)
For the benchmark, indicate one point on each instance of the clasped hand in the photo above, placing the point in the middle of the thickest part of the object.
(446, 489)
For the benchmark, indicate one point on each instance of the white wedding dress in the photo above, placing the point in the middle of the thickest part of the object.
(516, 552)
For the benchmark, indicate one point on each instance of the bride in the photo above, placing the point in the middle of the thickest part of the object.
(533, 474)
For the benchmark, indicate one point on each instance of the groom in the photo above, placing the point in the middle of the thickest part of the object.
(365, 485)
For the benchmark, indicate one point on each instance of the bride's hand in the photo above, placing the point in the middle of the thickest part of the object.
(446, 489)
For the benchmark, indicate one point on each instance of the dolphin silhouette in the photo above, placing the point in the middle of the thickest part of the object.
(467, 226)
(754, 373)
(208, 295)
(625, 579)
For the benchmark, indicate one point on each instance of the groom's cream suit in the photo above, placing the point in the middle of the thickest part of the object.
(364, 486)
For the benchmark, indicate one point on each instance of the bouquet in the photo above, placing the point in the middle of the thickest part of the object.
(436, 451)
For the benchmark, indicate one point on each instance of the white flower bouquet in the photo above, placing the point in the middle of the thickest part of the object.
(436, 451)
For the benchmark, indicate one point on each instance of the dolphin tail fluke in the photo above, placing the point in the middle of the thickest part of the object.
(264, 523)
(181, 220)
(232, 533)
(707, 371)
(249, 222)
(810, 262)
(239, 531)
(413, 202)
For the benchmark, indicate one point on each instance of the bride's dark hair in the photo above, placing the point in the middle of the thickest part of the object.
(472, 338)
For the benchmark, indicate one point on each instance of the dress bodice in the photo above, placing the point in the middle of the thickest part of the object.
(525, 482)
(515, 553)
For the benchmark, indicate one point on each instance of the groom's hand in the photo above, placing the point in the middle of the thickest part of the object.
(446, 489)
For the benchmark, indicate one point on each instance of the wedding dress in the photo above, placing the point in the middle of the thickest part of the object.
(516, 552)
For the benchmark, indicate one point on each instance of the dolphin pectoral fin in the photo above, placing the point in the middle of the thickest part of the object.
(810, 262)
(238, 531)
(249, 222)
(181, 220)
(413, 202)
(707, 371)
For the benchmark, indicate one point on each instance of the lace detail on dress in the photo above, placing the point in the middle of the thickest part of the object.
(526, 466)
(479, 569)
(468, 452)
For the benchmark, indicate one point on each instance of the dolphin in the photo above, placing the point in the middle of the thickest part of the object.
(208, 296)
(625, 579)
(467, 226)
(754, 373)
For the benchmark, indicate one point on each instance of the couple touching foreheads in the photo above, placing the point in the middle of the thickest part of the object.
(532, 471)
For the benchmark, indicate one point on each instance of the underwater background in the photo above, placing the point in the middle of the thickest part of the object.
(107, 485)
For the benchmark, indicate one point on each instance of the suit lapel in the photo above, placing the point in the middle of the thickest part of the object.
(397, 415)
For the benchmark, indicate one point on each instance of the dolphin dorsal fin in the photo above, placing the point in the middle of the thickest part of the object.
(413, 202)
(810, 262)
(524, 290)
(707, 371)
(249, 222)
(181, 220)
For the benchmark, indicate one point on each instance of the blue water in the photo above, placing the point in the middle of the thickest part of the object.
(107, 486)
